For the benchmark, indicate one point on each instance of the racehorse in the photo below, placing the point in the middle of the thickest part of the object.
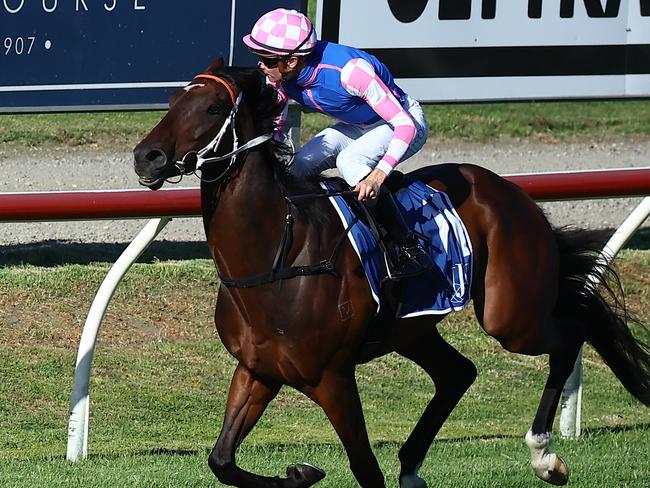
(290, 322)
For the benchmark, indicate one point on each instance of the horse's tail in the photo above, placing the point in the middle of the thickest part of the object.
(590, 293)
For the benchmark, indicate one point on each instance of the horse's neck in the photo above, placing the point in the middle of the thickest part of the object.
(244, 218)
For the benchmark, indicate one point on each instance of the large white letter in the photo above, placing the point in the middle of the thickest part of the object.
(83, 2)
(17, 9)
(110, 9)
(137, 6)
(52, 8)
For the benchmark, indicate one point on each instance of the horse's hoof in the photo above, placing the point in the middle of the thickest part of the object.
(560, 474)
(412, 481)
(304, 475)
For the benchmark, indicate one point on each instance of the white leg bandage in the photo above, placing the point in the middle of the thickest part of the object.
(542, 460)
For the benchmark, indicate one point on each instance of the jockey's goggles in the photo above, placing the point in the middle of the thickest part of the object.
(270, 62)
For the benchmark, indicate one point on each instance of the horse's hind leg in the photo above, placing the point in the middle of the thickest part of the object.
(547, 465)
(247, 399)
(452, 374)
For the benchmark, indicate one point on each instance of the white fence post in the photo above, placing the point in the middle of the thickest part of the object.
(571, 412)
(80, 400)
(570, 415)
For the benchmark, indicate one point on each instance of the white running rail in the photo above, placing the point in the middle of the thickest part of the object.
(80, 400)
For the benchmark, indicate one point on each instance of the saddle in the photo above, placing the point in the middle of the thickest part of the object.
(428, 213)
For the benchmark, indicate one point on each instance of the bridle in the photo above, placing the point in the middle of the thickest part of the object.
(280, 270)
(197, 158)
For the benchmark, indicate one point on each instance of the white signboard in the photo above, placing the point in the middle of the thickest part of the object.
(457, 50)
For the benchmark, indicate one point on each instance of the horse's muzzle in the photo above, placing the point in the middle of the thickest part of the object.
(151, 165)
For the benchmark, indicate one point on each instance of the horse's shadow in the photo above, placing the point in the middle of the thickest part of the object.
(587, 433)
(59, 252)
(640, 240)
(52, 253)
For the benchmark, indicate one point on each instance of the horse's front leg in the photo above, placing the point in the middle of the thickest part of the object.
(338, 396)
(247, 399)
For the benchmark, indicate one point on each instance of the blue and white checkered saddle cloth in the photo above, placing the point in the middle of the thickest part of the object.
(446, 287)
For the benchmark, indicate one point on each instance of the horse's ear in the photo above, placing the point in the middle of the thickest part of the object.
(216, 64)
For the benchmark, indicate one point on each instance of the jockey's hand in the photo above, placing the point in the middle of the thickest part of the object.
(368, 188)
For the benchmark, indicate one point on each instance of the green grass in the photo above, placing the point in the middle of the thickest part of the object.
(160, 378)
(108, 129)
(547, 121)
(541, 122)
(473, 463)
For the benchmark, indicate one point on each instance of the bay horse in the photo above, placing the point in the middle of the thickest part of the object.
(530, 286)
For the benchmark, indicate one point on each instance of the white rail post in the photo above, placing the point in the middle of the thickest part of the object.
(80, 399)
(570, 414)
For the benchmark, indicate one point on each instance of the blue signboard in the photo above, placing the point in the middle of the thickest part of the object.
(59, 55)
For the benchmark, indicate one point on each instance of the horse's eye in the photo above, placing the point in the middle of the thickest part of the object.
(215, 109)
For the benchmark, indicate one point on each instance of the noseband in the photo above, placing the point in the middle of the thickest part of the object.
(198, 157)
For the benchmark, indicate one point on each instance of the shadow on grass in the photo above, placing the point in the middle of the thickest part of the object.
(55, 253)
(593, 432)
(598, 431)
(587, 433)
(641, 240)
(161, 451)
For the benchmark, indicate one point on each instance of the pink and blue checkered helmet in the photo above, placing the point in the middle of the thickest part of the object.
(282, 32)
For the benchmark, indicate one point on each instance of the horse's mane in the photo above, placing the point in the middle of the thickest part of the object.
(262, 101)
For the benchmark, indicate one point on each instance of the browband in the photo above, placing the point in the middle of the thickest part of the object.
(233, 97)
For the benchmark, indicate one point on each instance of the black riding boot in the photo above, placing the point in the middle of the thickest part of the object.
(412, 259)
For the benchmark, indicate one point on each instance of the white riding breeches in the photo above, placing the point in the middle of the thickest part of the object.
(353, 148)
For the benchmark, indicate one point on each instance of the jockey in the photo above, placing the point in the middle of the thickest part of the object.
(378, 124)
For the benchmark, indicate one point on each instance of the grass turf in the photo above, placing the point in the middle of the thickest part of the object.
(160, 378)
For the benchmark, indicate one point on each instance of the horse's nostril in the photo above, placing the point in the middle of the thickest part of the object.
(155, 155)
(147, 155)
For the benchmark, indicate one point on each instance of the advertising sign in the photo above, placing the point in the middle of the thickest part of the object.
(463, 50)
(116, 54)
